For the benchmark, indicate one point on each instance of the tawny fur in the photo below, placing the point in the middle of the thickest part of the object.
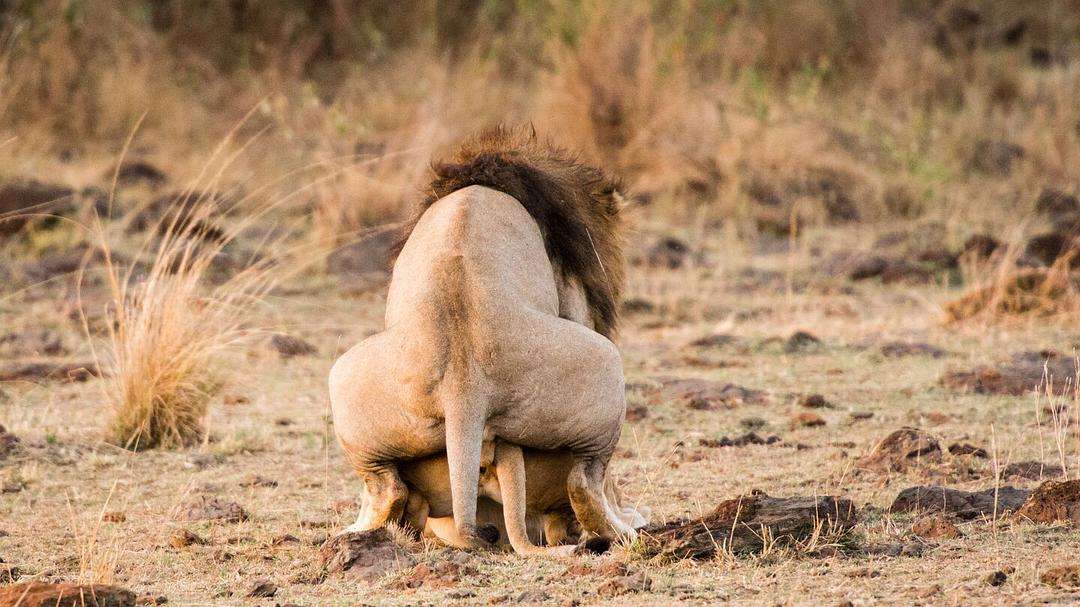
(490, 339)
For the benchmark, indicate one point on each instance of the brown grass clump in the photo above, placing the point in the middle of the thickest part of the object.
(169, 329)
(1043, 291)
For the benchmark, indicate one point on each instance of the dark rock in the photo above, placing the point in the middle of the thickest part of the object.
(750, 438)
(1032, 470)
(21, 197)
(898, 349)
(994, 157)
(209, 508)
(902, 449)
(736, 525)
(370, 258)
(48, 370)
(704, 394)
(996, 578)
(262, 589)
(1049, 247)
(1052, 502)
(815, 401)
(637, 305)
(38, 594)
(134, 170)
(668, 252)
(968, 449)
(800, 341)
(965, 505)
(1055, 202)
(8, 442)
(289, 346)
(715, 340)
(979, 246)
(365, 556)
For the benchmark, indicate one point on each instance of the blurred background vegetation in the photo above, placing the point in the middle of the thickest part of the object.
(751, 114)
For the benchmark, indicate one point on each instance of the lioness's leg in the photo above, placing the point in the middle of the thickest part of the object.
(510, 469)
(383, 500)
(585, 487)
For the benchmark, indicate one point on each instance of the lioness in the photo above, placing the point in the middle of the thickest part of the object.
(497, 322)
(548, 515)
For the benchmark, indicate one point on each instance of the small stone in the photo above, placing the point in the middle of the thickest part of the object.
(806, 419)
(257, 480)
(262, 589)
(534, 595)
(289, 346)
(936, 528)
(815, 401)
(114, 517)
(968, 449)
(210, 508)
(182, 538)
(801, 340)
(996, 578)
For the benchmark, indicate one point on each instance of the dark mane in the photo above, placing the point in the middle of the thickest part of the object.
(574, 205)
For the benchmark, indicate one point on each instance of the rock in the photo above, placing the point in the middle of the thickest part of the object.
(533, 596)
(806, 419)
(134, 171)
(996, 578)
(262, 589)
(32, 343)
(20, 197)
(704, 394)
(800, 341)
(1019, 377)
(979, 246)
(815, 401)
(716, 340)
(750, 438)
(38, 594)
(637, 305)
(365, 556)
(964, 505)
(182, 538)
(898, 349)
(209, 508)
(8, 442)
(636, 412)
(669, 252)
(369, 259)
(994, 157)
(1032, 470)
(257, 480)
(1051, 502)
(736, 525)
(968, 449)
(439, 574)
(902, 449)
(936, 527)
(1067, 576)
(625, 584)
(1054, 203)
(8, 573)
(289, 346)
(48, 370)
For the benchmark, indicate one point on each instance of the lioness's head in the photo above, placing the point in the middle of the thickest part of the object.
(575, 205)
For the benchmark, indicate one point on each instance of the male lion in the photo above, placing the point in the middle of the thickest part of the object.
(498, 318)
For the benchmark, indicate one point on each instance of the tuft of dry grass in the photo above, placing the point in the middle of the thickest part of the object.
(1013, 291)
(170, 326)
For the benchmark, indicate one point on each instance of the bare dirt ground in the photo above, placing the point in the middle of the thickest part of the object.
(74, 507)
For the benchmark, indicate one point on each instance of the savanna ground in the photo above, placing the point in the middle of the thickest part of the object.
(789, 167)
